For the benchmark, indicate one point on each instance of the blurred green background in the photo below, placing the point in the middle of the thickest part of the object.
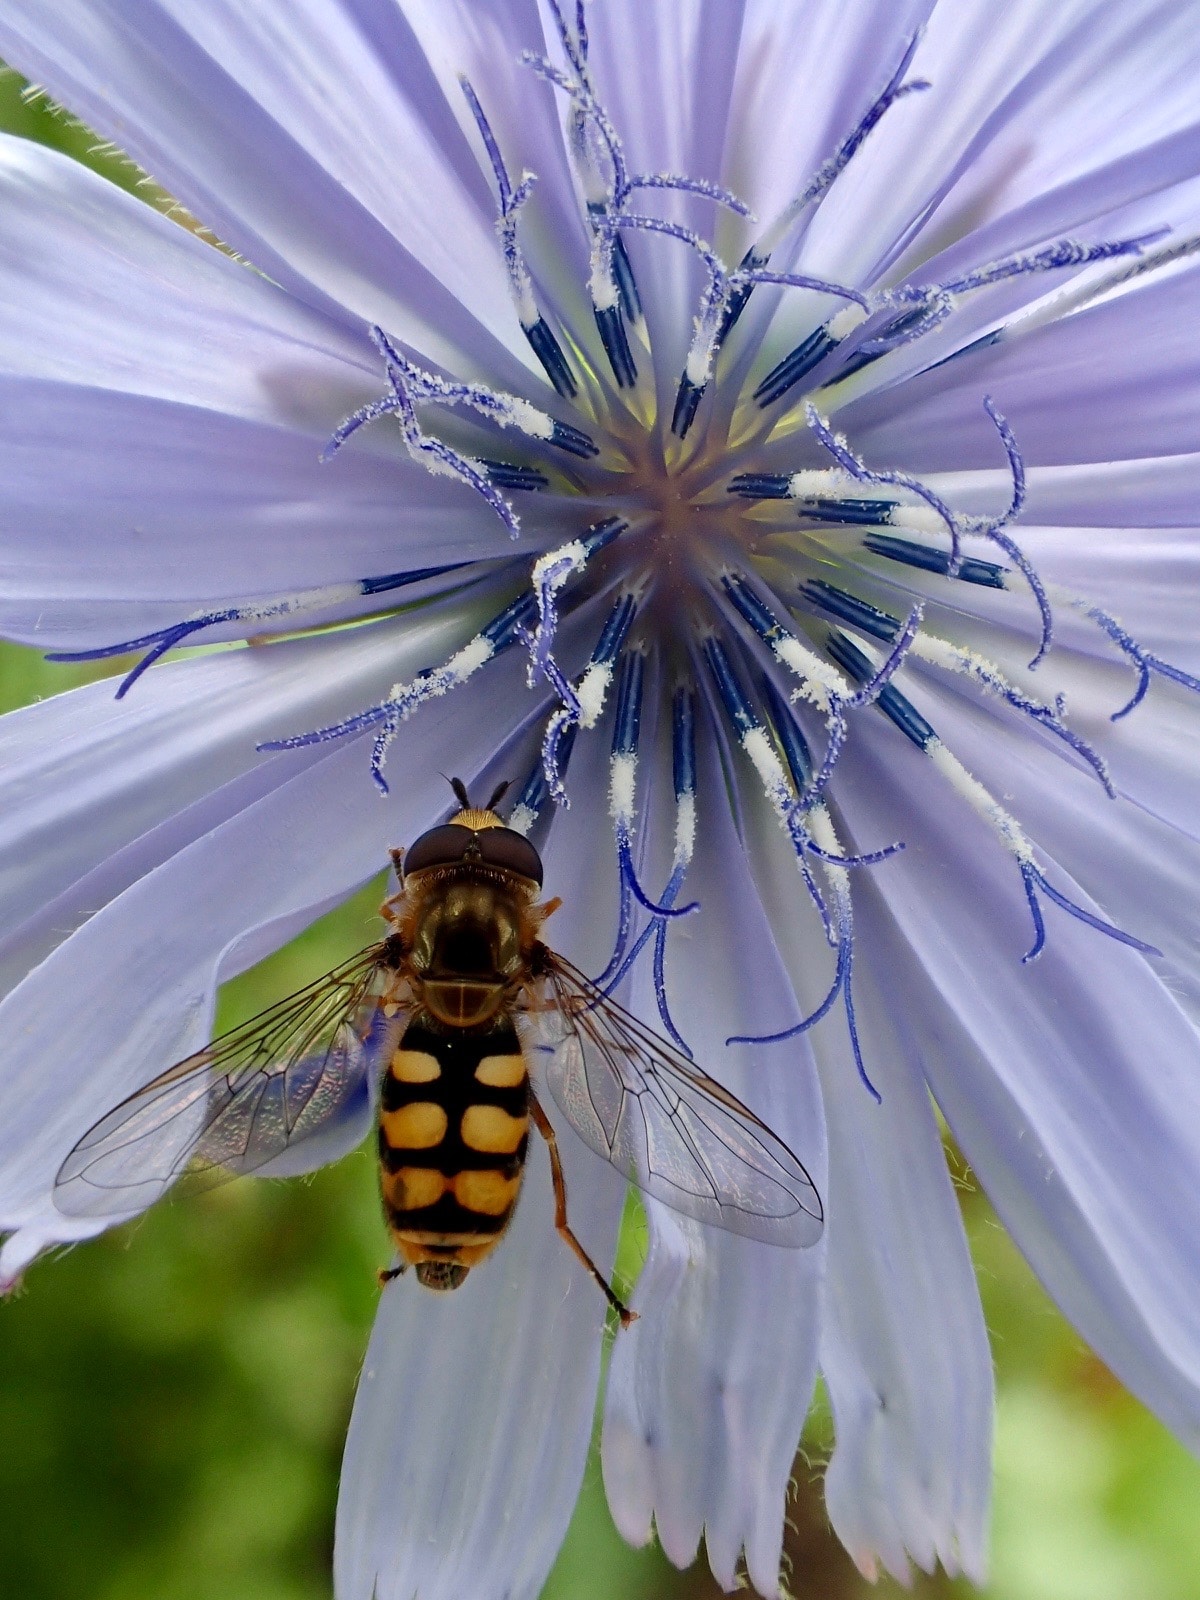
(174, 1397)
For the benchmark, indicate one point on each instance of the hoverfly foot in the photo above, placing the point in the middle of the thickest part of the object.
(386, 1274)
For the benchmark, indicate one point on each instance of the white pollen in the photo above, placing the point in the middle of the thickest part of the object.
(522, 818)
(564, 561)
(767, 764)
(1012, 835)
(600, 283)
(844, 322)
(528, 419)
(591, 691)
(622, 785)
(815, 482)
(824, 836)
(473, 655)
(820, 681)
(685, 827)
(917, 519)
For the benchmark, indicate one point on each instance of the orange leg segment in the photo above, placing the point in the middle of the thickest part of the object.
(560, 1212)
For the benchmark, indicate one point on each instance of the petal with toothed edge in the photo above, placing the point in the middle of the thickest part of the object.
(904, 1349)
(474, 1411)
(271, 126)
(1071, 1087)
(703, 1416)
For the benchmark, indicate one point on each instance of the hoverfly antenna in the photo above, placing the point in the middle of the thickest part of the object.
(498, 794)
(460, 792)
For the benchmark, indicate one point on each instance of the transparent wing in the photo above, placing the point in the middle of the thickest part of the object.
(238, 1103)
(643, 1106)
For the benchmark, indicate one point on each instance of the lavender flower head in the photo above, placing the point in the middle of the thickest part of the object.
(764, 432)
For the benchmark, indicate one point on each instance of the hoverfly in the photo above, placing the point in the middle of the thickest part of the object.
(464, 1016)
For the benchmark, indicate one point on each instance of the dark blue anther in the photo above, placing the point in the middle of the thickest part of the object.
(760, 485)
(911, 554)
(574, 441)
(893, 331)
(793, 743)
(687, 399)
(501, 631)
(622, 267)
(550, 353)
(801, 361)
(898, 707)
(860, 513)
(756, 612)
(616, 346)
(601, 534)
(627, 725)
(752, 261)
(508, 475)
(848, 608)
(608, 646)
(732, 694)
(683, 742)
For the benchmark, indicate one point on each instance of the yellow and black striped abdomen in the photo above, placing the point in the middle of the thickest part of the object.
(453, 1132)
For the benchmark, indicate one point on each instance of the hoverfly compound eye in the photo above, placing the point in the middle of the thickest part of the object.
(440, 847)
(512, 851)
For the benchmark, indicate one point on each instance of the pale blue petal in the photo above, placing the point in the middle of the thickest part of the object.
(904, 1350)
(307, 136)
(707, 1393)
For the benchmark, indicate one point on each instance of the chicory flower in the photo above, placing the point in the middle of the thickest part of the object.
(766, 433)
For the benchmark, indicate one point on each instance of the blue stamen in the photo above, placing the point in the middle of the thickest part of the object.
(550, 353)
(849, 609)
(791, 740)
(894, 705)
(611, 328)
(856, 513)
(574, 441)
(761, 485)
(858, 469)
(911, 554)
(796, 365)
(510, 475)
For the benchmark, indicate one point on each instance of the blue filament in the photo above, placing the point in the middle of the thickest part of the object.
(1034, 880)
(848, 608)
(1142, 659)
(156, 645)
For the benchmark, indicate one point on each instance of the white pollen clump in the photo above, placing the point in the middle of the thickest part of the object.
(622, 785)
(957, 658)
(522, 818)
(767, 764)
(558, 565)
(698, 367)
(820, 681)
(591, 692)
(600, 283)
(477, 652)
(685, 827)
(845, 321)
(917, 519)
(815, 483)
(824, 836)
(527, 418)
(1012, 835)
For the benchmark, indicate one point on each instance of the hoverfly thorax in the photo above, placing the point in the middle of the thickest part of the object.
(469, 886)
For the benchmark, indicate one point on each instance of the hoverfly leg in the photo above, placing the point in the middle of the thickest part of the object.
(386, 1274)
(560, 1213)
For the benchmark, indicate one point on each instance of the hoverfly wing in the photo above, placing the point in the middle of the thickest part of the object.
(673, 1131)
(239, 1103)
